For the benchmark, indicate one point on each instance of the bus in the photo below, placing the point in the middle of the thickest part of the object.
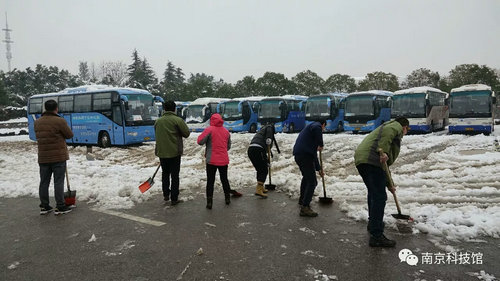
(285, 112)
(472, 109)
(326, 107)
(101, 115)
(240, 114)
(198, 113)
(179, 108)
(365, 111)
(425, 107)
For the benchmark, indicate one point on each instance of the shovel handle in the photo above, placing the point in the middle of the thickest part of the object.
(322, 173)
(67, 178)
(269, 161)
(389, 180)
(157, 168)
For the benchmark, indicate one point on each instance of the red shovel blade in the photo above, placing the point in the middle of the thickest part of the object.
(146, 185)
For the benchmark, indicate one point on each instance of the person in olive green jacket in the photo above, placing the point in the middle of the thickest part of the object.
(369, 163)
(169, 131)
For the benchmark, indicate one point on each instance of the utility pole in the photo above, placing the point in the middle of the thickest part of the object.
(7, 42)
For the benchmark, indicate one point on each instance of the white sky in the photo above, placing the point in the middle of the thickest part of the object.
(233, 38)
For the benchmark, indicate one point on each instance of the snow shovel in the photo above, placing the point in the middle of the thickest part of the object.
(398, 216)
(150, 182)
(69, 195)
(269, 186)
(324, 199)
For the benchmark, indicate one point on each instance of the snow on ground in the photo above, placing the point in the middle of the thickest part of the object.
(450, 184)
(17, 120)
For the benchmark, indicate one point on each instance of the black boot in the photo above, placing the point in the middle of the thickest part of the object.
(228, 198)
(381, 241)
(209, 203)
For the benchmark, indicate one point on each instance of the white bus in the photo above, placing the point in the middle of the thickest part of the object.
(425, 107)
(198, 113)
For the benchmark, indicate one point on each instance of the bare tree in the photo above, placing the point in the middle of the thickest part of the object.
(113, 73)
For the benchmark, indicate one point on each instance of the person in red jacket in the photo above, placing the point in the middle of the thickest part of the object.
(218, 141)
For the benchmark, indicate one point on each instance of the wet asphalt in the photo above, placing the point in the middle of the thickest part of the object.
(250, 239)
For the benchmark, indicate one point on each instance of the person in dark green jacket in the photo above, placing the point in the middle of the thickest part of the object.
(369, 163)
(169, 131)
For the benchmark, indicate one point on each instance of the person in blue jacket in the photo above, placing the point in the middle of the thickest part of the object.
(308, 143)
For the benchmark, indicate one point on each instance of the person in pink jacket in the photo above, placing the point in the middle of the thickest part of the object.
(218, 141)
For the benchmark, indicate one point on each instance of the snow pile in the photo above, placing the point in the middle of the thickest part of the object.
(450, 184)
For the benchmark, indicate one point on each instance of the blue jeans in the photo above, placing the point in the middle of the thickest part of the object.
(309, 181)
(375, 181)
(46, 171)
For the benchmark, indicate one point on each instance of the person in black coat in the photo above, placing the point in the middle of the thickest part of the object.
(308, 143)
(257, 152)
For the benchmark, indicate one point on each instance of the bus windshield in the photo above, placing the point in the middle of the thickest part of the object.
(412, 105)
(270, 109)
(317, 106)
(229, 111)
(359, 106)
(194, 114)
(141, 110)
(471, 104)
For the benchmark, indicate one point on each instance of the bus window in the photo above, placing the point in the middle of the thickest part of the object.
(35, 106)
(117, 115)
(83, 103)
(47, 99)
(102, 102)
(65, 104)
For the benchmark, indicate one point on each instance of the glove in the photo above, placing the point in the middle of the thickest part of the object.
(269, 141)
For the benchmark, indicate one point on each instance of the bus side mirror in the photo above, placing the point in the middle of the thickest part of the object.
(494, 100)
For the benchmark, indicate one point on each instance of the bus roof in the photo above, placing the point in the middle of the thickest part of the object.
(93, 89)
(182, 103)
(418, 90)
(294, 97)
(204, 101)
(251, 98)
(373, 92)
(335, 94)
(471, 87)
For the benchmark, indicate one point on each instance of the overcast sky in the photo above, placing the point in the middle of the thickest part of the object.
(230, 39)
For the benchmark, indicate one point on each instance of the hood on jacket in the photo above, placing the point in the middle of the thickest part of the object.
(216, 120)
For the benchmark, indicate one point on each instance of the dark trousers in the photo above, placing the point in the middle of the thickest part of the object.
(375, 181)
(259, 161)
(46, 171)
(309, 181)
(211, 170)
(170, 169)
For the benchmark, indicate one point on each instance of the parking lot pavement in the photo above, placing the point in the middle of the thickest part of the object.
(251, 239)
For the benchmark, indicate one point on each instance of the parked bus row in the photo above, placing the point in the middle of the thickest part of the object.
(121, 116)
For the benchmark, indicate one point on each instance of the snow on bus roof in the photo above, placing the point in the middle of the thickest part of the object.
(418, 90)
(375, 92)
(251, 98)
(203, 101)
(92, 89)
(472, 87)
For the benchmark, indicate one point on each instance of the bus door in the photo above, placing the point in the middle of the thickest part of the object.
(118, 137)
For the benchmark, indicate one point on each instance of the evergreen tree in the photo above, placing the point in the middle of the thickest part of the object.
(199, 85)
(379, 81)
(246, 87)
(172, 83)
(135, 71)
(83, 72)
(275, 84)
(473, 74)
(149, 79)
(308, 83)
(340, 83)
(4, 99)
(422, 77)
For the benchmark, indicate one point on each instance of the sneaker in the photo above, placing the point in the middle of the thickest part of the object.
(62, 210)
(235, 193)
(306, 211)
(46, 210)
(175, 202)
(381, 241)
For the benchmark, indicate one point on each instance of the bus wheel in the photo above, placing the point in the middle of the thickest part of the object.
(253, 128)
(104, 140)
(291, 129)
